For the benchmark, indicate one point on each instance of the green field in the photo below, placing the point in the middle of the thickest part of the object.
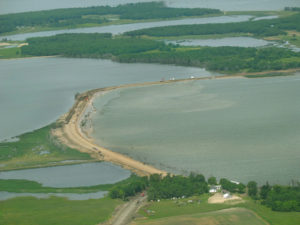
(233, 216)
(37, 149)
(171, 211)
(10, 53)
(32, 211)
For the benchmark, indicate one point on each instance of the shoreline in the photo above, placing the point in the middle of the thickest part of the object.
(70, 133)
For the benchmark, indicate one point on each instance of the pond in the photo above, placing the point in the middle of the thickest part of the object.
(229, 41)
(79, 175)
(71, 196)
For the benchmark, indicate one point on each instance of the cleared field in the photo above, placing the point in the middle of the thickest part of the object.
(233, 216)
(32, 211)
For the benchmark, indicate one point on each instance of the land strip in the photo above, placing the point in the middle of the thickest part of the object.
(68, 129)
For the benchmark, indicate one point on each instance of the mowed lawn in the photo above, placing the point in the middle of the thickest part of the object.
(232, 216)
(54, 210)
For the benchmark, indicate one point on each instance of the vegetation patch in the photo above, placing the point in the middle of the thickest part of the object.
(95, 15)
(132, 49)
(38, 149)
(54, 210)
(233, 216)
(261, 28)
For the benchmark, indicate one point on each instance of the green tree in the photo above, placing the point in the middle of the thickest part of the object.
(212, 180)
(252, 189)
(264, 190)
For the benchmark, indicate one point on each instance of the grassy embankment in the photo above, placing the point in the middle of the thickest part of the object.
(32, 211)
(182, 212)
(38, 149)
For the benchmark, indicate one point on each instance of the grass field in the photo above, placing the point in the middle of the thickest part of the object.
(10, 53)
(233, 216)
(173, 211)
(32, 211)
(37, 149)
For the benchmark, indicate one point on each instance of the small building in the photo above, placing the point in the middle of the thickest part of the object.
(227, 195)
(214, 188)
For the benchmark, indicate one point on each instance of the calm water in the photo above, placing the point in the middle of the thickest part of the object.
(118, 29)
(243, 129)
(71, 196)
(9, 6)
(88, 174)
(230, 41)
(35, 92)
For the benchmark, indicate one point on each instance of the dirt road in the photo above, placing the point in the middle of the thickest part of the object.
(126, 213)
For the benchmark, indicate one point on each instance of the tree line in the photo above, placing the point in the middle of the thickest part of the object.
(277, 197)
(135, 49)
(270, 27)
(73, 16)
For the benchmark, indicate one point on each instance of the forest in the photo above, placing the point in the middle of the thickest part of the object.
(72, 16)
(260, 28)
(277, 197)
(159, 187)
(135, 49)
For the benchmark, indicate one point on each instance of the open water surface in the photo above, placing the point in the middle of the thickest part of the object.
(119, 29)
(35, 92)
(229, 41)
(79, 175)
(242, 129)
(71, 196)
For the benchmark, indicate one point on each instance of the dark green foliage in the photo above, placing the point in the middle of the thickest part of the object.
(264, 190)
(223, 59)
(258, 28)
(124, 190)
(130, 49)
(176, 186)
(252, 189)
(232, 187)
(293, 9)
(88, 45)
(283, 198)
(212, 180)
(162, 187)
(72, 16)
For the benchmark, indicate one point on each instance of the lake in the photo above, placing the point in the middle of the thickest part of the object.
(119, 29)
(12, 6)
(242, 129)
(229, 41)
(35, 92)
(88, 174)
(71, 196)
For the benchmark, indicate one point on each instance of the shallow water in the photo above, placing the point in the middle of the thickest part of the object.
(230, 41)
(71, 196)
(11, 6)
(35, 92)
(242, 129)
(119, 29)
(79, 175)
